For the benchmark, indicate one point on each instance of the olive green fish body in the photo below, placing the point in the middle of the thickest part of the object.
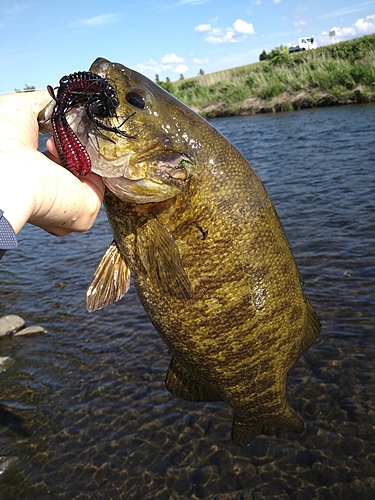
(247, 320)
(209, 259)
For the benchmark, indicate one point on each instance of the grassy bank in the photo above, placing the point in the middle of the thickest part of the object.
(337, 74)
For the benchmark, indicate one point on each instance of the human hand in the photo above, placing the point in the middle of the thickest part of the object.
(33, 186)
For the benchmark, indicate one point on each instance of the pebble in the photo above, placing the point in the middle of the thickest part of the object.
(30, 331)
(5, 463)
(5, 363)
(13, 325)
(10, 324)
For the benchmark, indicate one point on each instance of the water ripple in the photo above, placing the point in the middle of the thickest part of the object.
(84, 408)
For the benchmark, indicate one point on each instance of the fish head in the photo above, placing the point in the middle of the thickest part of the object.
(141, 152)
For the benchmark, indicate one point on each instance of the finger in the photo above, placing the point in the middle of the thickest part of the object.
(51, 157)
(94, 183)
(18, 117)
(50, 145)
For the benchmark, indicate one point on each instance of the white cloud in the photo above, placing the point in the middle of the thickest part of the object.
(181, 68)
(203, 28)
(227, 38)
(171, 58)
(300, 23)
(276, 1)
(151, 65)
(238, 32)
(363, 26)
(243, 27)
(168, 63)
(366, 25)
(216, 31)
(213, 40)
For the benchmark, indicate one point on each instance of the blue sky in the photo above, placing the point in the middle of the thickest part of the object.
(40, 40)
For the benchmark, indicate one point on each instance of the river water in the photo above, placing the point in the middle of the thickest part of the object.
(84, 409)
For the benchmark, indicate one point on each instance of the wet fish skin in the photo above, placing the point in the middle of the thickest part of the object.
(212, 267)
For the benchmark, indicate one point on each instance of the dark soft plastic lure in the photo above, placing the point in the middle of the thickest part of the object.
(100, 100)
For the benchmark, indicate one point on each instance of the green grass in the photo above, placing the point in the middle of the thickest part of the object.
(344, 72)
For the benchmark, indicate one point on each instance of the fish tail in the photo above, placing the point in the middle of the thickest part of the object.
(243, 433)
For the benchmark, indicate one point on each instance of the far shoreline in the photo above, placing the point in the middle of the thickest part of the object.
(300, 101)
(338, 74)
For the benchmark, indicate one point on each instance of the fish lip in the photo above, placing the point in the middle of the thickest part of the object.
(175, 173)
(168, 166)
(139, 191)
(169, 179)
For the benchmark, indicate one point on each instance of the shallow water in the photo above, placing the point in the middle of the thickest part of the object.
(84, 408)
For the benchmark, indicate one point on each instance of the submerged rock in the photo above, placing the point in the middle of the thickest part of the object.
(31, 331)
(5, 463)
(5, 363)
(14, 325)
(10, 324)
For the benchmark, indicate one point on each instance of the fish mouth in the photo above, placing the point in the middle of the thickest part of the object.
(140, 171)
(167, 176)
(141, 191)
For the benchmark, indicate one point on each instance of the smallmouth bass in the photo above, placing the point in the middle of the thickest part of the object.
(195, 228)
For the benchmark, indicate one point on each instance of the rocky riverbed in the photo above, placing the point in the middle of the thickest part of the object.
(13, 325)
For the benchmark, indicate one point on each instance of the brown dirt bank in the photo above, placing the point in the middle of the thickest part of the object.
(286, 102)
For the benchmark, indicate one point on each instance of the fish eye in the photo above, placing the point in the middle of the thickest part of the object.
(136, 99)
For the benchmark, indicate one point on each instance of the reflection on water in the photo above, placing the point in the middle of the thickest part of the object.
(84, 408)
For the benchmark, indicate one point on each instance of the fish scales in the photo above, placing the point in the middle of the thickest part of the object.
(208, 255)
(222, 339)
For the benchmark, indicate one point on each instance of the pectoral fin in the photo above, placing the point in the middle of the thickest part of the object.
(182, 384)
(160, 257)
(110, 282)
